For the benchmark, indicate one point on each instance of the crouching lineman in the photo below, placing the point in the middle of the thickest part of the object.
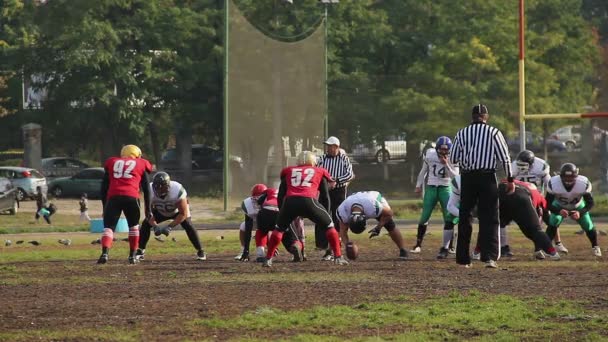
(437, 172)
(529, 168)
(251, 208)
(525, 206)
(300, 186)
(569, 195)
(357, 208)
(267, 207)
(169, 202)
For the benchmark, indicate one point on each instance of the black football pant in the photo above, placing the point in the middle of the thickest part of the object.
(518, 207)
(267, 221)
(336, 197)
(478, 188)
(121, 204)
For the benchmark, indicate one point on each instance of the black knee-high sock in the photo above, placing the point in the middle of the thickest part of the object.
(144, 234)
(551, 231)
(592, 235)
(192, 235)
(420, 235)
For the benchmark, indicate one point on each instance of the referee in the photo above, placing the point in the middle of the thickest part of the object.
(336, 162)
(478, 148)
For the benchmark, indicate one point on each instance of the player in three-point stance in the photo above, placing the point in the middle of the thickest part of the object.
(251, 209)
(357, 208)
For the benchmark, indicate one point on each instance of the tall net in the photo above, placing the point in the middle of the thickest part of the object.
(276, 101)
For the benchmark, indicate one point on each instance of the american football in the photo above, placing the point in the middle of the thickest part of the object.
(352, 251)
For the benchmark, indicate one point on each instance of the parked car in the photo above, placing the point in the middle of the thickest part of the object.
(8, 197)
(534, 143)
(203, 158)
(61, 167)
(87, 180)
(571, 136)
(395, 147)
(25, 180)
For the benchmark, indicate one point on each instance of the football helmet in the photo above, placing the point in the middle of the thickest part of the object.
(357, 222)
(443, 145)
(130, 151)
(307, 158)
(160, 184)
(524, 161)
(258, 190)
(568, 173)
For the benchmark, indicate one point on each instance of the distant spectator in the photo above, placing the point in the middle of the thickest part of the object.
(84, 207)
(44, 208)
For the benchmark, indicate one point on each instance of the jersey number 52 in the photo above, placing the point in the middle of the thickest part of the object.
(301, 177)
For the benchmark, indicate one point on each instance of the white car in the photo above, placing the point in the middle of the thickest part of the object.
(395, 148)
(571, 136)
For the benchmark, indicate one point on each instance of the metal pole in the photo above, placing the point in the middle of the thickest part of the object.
(522, 81)
(326, 120)
(226, 112)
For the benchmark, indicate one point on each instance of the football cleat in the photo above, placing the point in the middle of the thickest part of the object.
(555, 256)
(267, 263)
(140, 254)
(403, 254)
(416, 250)
(133, 260)
(443, 253)
(340, 261)
(328, 256)
(539, 255)
(561, 248)
(238, 256)
(597, 251)
(260, 259)
(297, 253)
(201, 255)
(103, 259)
(491, 264)
(476, 255)
(452, 250)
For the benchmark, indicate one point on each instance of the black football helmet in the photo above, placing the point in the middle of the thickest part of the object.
(357, 222)
(524, 161)
(568, 173)
(160, 184)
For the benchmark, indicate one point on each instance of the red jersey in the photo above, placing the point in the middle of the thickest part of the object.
(125, 175)
(304, 180)
(271, 198)
(538, 200)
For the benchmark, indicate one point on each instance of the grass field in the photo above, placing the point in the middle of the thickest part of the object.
(56, 292)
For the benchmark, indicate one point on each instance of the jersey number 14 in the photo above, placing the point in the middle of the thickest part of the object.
(438, 173)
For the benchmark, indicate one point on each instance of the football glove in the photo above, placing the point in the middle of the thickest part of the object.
(374, 232)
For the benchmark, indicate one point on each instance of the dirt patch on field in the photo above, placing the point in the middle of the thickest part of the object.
(166, 291)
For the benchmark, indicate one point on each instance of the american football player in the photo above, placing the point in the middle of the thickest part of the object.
(357, 208)
(569, 195)
(250, 208)
(122, 180)
(435, 175)
(169, 201)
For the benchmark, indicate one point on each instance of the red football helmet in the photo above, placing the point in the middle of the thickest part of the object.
(258, 190)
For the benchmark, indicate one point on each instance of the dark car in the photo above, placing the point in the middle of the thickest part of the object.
(8, 197)
(87, 180)
(61, 167)
(534, 143)
(203, 158)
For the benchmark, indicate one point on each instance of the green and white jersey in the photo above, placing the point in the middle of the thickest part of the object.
(537, 174)
(569, 200)
(168, 206)
(250, 207)
(434, 171)
(372, 202)
(454, 201)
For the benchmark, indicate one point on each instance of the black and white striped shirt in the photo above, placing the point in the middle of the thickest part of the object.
(479, 147)
(339, 167)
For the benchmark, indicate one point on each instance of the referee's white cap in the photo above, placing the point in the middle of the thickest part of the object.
(332, 141)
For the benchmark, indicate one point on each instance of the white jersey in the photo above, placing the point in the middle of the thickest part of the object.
(250, 207)
(168, 206)
(569, 200)
(372, 202)
(454, 201)
(434, 171)
(537, 173)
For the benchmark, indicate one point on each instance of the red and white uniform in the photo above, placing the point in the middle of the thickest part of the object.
(125, 175)
(304, 180)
